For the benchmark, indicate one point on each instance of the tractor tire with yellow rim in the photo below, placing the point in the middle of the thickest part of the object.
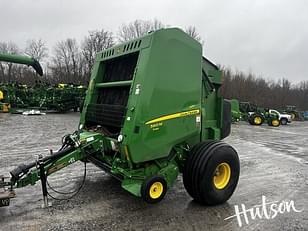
(256, 119)
(211, 172)
(154, 189)
(274, 122)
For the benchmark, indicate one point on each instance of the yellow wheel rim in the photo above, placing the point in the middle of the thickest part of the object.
(156, 190)
(257, 120)
(222, 175)
(275, 123)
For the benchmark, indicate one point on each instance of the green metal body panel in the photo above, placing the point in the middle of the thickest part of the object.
(167, 80)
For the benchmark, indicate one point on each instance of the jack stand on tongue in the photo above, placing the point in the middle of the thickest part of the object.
(43, 177)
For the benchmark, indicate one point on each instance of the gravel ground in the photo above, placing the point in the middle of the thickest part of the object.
(274, 164)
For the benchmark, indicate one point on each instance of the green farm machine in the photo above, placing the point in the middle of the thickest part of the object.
(62, 98)
(255, 115)
(16, 98)
(153, 110)
(295, 114)
(7, 93)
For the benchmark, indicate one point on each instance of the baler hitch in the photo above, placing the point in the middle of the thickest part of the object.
(39, 170)
(6, 192)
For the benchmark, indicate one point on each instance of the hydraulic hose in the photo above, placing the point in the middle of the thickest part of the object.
(23, 169)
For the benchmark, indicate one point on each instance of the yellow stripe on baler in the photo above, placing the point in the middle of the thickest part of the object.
(174, 116)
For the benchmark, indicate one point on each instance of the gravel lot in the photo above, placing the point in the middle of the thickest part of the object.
(274, 164)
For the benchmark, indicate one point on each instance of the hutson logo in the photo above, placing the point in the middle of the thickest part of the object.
(265, 210)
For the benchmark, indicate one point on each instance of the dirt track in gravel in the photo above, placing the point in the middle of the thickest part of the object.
(274, 163)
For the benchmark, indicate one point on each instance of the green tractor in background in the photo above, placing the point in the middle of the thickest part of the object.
(245, 108)
(255, 115)
(258, 118)
(153, 110)
(295, 114)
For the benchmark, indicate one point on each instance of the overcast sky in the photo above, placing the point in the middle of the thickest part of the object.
(266, 37)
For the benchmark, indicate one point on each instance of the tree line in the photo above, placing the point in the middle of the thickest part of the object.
(265, 93)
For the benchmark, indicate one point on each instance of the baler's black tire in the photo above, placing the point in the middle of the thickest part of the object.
(190, 163)
(154, 189)
(283, 121)
(199, 175)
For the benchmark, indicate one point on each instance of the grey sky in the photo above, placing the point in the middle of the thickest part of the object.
(266, 37)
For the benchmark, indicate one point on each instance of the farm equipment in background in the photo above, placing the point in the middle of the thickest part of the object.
(245, 108)
(283, 118)
(59, 98)
(305, 113)
(235, 110)
(4, 105)
(21, 59)
(10, 96)
(295, 114)
(255, 115)
(258, 118)
(153, 110)
(62, 98)
(16, 98)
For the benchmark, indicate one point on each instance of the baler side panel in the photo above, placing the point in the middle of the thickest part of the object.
(169, 83)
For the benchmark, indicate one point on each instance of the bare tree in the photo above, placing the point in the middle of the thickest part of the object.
(138, 28)
(270, 94)
(37, 49)
(95, 42)
(66, 62)
(192, 31)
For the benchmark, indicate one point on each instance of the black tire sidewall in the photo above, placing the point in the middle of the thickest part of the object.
(252, 119)
(283, 121)
(212, 195)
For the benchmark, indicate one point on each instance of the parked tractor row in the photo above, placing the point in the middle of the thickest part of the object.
(16, 98)
(256, 115)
